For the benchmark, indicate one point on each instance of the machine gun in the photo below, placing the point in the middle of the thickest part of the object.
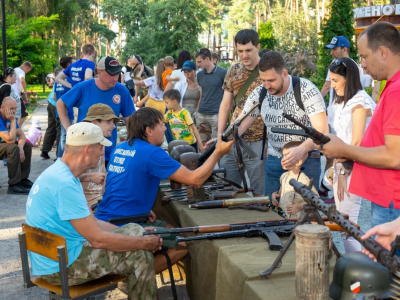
(383, 256)
(310, 132)
(228, 135)
(270, 233)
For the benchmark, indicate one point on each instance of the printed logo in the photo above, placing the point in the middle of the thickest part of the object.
(355, 287)
(113, 63)
(117, 99)
(36, 189)
(334, 41)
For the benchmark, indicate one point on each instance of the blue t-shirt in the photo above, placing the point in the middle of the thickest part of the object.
(61, 90)
(133, 178)
(86, 94)
(56, 198)
(76, 71)
(5, 125)
(50, 97)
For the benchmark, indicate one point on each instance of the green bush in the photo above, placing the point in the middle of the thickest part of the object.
(266, 33)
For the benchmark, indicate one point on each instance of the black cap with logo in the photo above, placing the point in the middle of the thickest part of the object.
(110, 65)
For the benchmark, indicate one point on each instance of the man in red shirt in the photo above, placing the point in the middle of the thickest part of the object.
(376, 173)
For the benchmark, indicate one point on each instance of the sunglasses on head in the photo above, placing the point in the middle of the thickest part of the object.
(8, 71)
(200, 52)
(338, 62)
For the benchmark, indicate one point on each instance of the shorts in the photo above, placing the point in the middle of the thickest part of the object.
(24, 113)
(168, 239)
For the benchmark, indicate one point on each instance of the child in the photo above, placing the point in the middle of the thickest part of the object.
(169, 67)
(179, 119)
(290, 201)
(35, 134)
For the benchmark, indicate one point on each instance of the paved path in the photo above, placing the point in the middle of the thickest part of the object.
(12, 214)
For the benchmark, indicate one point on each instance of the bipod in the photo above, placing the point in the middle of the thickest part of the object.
(308, 215)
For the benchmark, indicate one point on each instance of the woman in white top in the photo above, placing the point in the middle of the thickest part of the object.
(349, 115)
(155, 84)
(177, 75)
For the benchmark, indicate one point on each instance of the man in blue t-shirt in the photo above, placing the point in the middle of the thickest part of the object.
(18, 153)
(95, 248)
(60, 90)
(137, 167)
(104, 89)
(81, 70)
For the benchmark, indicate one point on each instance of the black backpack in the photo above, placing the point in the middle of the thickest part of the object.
(297, 96)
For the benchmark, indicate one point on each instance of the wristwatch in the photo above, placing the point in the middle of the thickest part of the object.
(343, 172)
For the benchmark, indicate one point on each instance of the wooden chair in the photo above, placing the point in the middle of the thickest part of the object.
(54, 246)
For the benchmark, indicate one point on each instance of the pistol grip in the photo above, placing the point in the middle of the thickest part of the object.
(275, 243)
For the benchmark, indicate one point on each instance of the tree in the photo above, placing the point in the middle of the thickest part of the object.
(339, 22)
(30, 40)
(267, 38)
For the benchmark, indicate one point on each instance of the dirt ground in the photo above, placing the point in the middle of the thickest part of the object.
(12, 214)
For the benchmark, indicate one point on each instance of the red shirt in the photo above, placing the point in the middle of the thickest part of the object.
(380, 186)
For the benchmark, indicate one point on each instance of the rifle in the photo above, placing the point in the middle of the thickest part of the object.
(270, 233)
(228, 135)
(310, 132)
(386, 258)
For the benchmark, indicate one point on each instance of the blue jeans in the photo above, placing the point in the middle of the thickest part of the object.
(168, 133)
(63, 138)
(380, 214)
(274, 171)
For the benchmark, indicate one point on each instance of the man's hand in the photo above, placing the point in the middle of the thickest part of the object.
(333, 149)
(152, 217)
(208, 144)
(21, 154)
(10, 114)
(275, 196)
(152, 243)
(98, 177)
(385, 234)
(222, 147)
(293, 157)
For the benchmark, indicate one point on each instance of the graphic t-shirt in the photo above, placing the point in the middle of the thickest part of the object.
(76, 71)
(273, 107)
(154, 92)
(55, 199)
(5, 125)
(61, 90)
(134, 175)
(86, 94)
(17, 85)
(179, 123)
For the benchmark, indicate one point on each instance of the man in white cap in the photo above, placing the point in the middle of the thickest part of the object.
(95, 248)
(105, 89)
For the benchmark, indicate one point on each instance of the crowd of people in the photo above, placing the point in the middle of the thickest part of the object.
(194, 99)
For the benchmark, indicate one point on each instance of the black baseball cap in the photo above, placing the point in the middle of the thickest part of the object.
(110, 65)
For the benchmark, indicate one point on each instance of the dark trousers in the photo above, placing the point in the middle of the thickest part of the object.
(17, 171)
(53, 129)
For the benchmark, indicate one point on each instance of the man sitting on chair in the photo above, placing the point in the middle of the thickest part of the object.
(95, 248)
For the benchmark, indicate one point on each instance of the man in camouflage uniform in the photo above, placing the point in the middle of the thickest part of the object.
(94, 248)
(247, 45)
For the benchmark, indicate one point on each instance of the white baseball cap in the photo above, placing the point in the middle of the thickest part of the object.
(83, 134)
(36, 123)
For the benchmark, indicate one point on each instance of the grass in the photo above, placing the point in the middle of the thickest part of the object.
(38, 88)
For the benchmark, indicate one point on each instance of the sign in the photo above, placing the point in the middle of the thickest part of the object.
(376, 11)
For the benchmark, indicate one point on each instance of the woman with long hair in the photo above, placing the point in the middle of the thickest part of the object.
(7, 79)
(183, 56)
(155, 84)
(349, 115)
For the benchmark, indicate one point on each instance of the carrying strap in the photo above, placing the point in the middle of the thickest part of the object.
(297, 97)
(240, 158)
(245, 87)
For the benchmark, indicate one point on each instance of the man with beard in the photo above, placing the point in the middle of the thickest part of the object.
(280, 98)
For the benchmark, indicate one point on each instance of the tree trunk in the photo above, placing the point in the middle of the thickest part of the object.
(318, 18)
(305, 8)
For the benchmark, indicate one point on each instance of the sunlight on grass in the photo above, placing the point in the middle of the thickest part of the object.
(37, 88)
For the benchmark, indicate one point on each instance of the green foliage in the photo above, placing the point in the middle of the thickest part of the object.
(340, 22)
(104, 31)
(369, 90)
(30, 40)
(267, 38)
(223, 64)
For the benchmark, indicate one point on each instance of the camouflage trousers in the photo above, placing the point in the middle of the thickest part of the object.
(93, 263)
(207, 125)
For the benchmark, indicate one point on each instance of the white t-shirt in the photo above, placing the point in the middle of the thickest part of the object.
(273, 107)
(363, 80)
(154, 91)
(127, 75)
(178, 73)
(17, 85)
(340, 116)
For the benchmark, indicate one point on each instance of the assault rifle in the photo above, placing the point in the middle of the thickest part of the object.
(386, 258)
(310, 132)
(228, 135)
